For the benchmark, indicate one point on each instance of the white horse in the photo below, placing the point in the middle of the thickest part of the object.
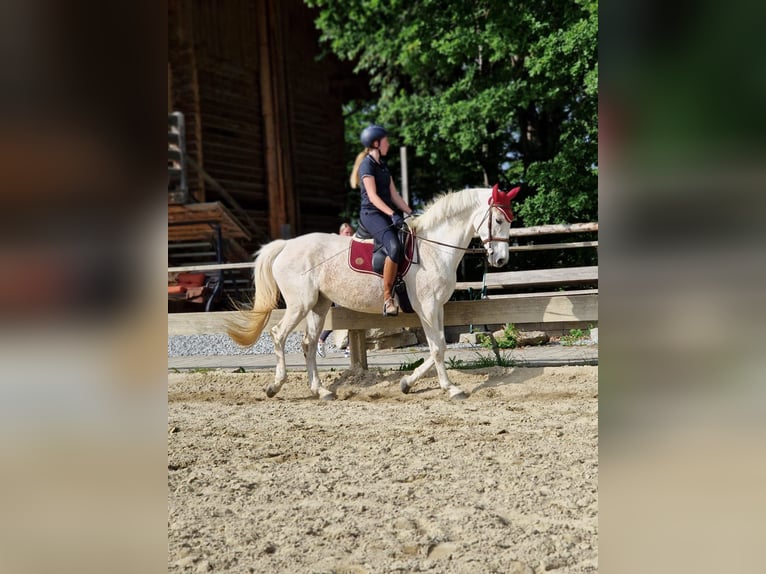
(311, 271)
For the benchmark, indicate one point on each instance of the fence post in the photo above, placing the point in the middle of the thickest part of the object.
(357, 343)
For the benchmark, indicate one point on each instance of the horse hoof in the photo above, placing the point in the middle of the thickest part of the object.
(269, 390)
(326, 395)
(459, 396)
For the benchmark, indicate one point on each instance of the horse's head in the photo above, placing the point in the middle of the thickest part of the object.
(493, 224)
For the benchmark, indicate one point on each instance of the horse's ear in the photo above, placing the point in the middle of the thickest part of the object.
(514, 192)
(497, 195)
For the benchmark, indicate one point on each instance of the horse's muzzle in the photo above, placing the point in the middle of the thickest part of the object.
(497, 254)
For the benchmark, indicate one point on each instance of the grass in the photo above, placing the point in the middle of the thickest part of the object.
(502, 360)
(411, 366)
(455, 363)
(481, 362)
(574, 336)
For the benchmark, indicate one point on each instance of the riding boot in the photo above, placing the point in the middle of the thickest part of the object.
(389, 276)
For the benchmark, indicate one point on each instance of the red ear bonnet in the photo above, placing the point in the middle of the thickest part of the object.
(502, 200)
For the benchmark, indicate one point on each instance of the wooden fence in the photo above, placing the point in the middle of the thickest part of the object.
(517, 309)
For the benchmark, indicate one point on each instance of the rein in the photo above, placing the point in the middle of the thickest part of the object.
(418, 238)
(484, 241)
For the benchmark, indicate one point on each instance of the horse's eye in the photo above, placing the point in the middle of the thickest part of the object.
(499, 221)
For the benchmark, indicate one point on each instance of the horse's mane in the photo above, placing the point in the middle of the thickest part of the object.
(444, 206)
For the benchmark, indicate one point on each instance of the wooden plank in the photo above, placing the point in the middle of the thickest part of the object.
(546, 230)
(534, 277)
(215, 322)
(546, 246)
(233, 202)
(198, 231)
(525, 308)
(549, 229)
(199, 192)
(202, 213)
(190, 232)
(213, 267)
(220, 152)
(270, 120)
(517, 309)
(239, 186)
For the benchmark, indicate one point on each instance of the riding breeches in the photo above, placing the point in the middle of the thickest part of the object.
(380, 227)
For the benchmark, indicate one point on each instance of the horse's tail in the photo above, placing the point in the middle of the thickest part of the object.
(266, 297)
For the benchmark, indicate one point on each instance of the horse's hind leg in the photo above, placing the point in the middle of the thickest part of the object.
(314, 322)
(279, 333)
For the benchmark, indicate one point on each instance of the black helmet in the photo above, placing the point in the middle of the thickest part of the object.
(371, 134)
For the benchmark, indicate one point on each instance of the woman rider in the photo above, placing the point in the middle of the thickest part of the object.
(382, 206)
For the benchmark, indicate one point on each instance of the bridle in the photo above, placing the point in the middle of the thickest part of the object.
(490, 239)
(500, 200)
(490, 219)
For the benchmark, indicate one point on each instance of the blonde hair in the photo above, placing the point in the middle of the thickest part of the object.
(354, 179)
(344, 226)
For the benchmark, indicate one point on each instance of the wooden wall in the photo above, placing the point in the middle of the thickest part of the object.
(263, 116)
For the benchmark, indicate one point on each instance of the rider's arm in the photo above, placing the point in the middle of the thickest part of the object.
(372, 194)
(398, 200)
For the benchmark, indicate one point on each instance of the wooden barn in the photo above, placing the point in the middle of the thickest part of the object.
(255, 128)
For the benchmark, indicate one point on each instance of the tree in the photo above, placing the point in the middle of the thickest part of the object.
(481, 92)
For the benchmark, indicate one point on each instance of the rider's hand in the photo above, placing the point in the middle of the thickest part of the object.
(397, 219)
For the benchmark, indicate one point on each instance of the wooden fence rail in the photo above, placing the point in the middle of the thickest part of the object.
(515, 232)
(517, 309)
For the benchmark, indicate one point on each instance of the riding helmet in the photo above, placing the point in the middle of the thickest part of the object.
(371, 134)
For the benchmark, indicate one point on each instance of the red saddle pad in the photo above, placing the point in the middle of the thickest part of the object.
(360, 256)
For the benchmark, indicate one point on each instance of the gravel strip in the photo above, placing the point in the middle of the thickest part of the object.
(220, 344)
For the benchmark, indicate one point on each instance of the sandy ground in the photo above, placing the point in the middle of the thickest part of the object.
(378, 481)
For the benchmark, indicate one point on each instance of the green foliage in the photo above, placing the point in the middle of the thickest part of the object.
(509, 340)
(479, 91)
(484, 361)
(574, 336)
(510, 336)
(455, 363)
(411, 366)
(481, 362)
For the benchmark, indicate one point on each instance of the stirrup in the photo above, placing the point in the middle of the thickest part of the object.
(390, 309)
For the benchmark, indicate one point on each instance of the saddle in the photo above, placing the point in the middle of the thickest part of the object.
(367, 255)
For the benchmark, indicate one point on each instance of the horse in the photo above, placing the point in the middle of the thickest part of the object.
(311, 271)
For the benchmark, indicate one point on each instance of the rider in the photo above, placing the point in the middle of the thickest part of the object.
(382, 206)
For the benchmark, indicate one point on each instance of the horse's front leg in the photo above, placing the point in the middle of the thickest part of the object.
(454, 391)
(406, 382)
(433, 326)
